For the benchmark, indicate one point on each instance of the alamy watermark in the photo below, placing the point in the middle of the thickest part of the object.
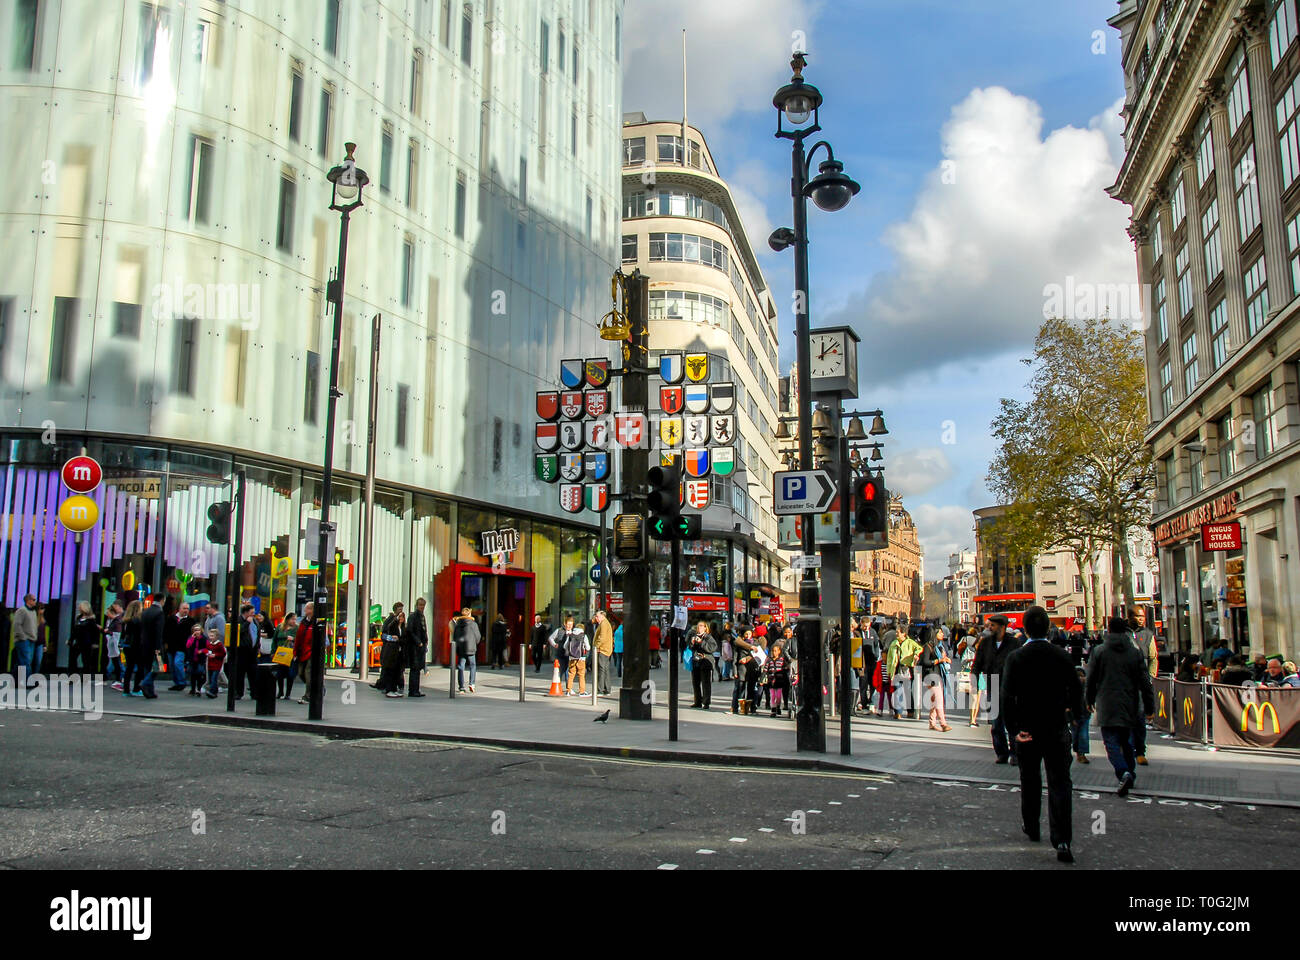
(68, 692)
(1082, 300)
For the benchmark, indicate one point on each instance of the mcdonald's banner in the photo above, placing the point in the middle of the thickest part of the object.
(1164, 690)
(1187, 709)
(1256, 716)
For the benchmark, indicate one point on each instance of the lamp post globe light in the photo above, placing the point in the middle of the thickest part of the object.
(797, 103)
(347, 182)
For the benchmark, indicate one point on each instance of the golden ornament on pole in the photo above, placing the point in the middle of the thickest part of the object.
(615, 325)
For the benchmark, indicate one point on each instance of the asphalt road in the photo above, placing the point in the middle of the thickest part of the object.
(134, 793)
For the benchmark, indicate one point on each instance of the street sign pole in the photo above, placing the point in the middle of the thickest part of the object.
(633, 700)
(846, 635)
(672, 639)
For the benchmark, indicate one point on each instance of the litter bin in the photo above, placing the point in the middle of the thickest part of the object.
(265, 689)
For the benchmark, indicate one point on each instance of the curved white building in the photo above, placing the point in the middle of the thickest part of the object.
(167, 241)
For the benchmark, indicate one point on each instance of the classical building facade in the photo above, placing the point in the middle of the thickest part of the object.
(708, 296)
(163, 290)
(1212, 173)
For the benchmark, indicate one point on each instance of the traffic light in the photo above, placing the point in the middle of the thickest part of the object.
(219, 529)
(665, 502)
(871, 506)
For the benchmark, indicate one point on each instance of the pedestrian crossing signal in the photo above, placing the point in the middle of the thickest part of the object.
(870, 507)
(219, 529)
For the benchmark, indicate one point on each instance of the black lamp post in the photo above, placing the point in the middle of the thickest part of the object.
(347, 180)
(799, 102)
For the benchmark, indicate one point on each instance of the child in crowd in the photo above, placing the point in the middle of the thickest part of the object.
(216, 653)
(1081, 725)
(777, 672)
(196, 655)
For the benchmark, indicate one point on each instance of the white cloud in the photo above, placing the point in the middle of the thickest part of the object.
(1021, 211)
(735, 54)
(914, 473)
(943, 530)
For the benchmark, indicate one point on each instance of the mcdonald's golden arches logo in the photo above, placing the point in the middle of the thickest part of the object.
(1160, 700)
(1189, 711)
(1258, 709)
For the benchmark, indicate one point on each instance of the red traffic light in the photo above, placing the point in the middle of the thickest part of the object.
(868, 491)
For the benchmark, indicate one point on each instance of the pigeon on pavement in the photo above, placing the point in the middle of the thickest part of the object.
(602, 718)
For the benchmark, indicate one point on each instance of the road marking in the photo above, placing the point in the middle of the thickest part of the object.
(667, 866)
(766, 830)
(835, 803)
(814, 811)
(739, 839)
(704, 852)
(855, 796)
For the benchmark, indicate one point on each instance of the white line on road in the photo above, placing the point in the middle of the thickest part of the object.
(704, 852)
(667, 866)
(739, 839)
(766, 830)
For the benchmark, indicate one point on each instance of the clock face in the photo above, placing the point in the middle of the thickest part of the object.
(829, 357)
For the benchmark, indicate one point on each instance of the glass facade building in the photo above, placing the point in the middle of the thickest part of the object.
(163, 289)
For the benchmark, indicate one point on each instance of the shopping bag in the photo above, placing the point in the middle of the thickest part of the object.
(283, 655)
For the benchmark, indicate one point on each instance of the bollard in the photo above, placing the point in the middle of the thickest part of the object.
(523, 662)
(453, 658)
(264, 683)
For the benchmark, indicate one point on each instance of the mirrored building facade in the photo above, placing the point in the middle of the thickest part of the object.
(167, 243)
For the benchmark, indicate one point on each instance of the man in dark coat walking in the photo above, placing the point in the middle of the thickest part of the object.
(1117, 681)
(541, 631)
(1039, 684)
(500, 638)
(992, 658)
(415, 641)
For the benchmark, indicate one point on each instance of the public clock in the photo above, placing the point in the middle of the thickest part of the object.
(833, 361)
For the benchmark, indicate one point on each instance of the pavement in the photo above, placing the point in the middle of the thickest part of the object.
(125, 793)
(493, 716)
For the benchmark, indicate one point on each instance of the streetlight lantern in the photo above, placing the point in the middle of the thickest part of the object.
(798, 100)
(347, 180)
(832, 189)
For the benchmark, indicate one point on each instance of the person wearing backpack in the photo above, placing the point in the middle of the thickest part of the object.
(703, 647)
(576, 647)
(465, 638)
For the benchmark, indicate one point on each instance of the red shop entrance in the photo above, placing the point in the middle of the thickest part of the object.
(486, 594)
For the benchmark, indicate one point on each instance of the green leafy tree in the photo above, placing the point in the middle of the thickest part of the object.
(1068, 457)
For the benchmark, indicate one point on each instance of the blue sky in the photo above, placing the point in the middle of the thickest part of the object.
(983, 134)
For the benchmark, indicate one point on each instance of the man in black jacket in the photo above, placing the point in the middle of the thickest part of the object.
(500, 638)
(177, 634)
(415, 641)
(1117, 678)
(993, 653)
(1039, 685)
(247, 646)
(541, 631)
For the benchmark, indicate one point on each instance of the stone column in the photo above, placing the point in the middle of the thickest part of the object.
(1268, 165)
(1229, 234)
(1141, 238)
(1196, 256)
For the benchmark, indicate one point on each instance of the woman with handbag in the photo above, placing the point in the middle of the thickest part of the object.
(282, 657)
(746, 669)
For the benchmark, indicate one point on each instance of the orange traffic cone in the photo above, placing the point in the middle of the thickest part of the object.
(556, 689)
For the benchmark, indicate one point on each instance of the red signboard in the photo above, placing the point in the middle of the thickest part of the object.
(1220, 536)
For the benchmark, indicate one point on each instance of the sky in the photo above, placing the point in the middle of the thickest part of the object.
(983, 133)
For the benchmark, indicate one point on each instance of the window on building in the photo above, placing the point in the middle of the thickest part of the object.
(1183, 270)
(386, 159)
(198, 193)
(634, 151)
(1166, 387)
(26, 21)
(629, 248)
(234, 377)
(332, 26)
(153, 41)
(63, 340)
(1288, 125)
(670, 149)
(1078, 584)
(1293, 250)
(573, 130)
(311, 388)
(446, 23)
(1227, 454)
(618, 38)
(688, 248)
(1246, 185)
(1177, 201)
(400, 421)
(1210, 231)
(590, 235)
(544, 48)
(461, 196)
(1234, 81)
(285, 215)
(408, 270)
(1196, 469)
(1282, 30)
(295, 102)
(126, 320)
(563, 46)
(185, 350)
(412, 173)
(1256, 286)
(1140, 582)
(1167, 472)
(523, 181)
(1157, 239)
(326, 120)
(1264, 413)
(1204, 140)
(497, 444)
(1162, 319)
(1219, 340)
(417, 81)
(1191, 368)
(466, 32)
